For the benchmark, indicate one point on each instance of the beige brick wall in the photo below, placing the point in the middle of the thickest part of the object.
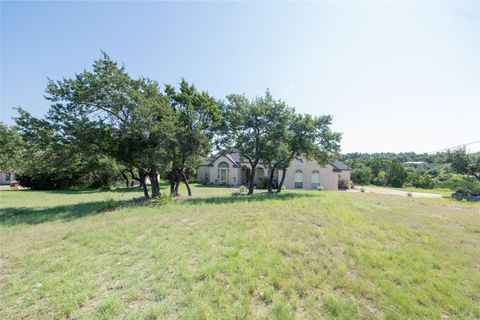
(233, 173)
(328, 178)
(345, 175)
(203, 174)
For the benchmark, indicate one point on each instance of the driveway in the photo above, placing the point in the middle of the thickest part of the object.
(394, 192)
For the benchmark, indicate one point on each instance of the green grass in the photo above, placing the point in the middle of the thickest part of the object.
(297, 255)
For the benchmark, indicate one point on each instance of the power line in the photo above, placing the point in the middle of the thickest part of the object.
(456, 147)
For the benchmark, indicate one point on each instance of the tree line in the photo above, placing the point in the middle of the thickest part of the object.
(104, 125)
(456, 169)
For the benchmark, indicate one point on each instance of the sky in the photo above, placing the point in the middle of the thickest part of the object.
(395, 76)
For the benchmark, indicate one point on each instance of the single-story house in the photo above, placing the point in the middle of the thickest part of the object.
(233, 170)
(6, 177)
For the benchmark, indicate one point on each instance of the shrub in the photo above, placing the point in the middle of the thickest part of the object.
(262, 183)
(424, 181)
(396, 174)
(409, 194)
(380, 179)
(343, 184)
(362, 175)
(243, 189)
(107, 205)
(465, 184)
(160, 201)
(321, 188)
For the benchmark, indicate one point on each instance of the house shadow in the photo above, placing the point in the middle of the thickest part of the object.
(31, 215)
(264, 196)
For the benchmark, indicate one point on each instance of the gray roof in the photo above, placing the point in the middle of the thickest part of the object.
(237, 159)
(337, 164)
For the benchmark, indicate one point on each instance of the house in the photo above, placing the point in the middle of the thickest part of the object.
(233, 170)
(6, 177)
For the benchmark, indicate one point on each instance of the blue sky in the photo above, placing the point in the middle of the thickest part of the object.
(396, 76)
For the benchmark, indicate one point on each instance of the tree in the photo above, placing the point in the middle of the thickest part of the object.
(250, 128)
(126, 119)
(51, 161)
(198, 118)
(461, 162)
(396, 175)
(309, 137)
(12, 146)
(361, 175)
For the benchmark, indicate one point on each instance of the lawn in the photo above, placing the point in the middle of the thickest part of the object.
(297, 255)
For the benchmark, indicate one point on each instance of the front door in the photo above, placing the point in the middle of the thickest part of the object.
(245, 174)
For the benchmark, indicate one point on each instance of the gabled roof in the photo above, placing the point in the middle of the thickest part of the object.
(209, 162)
(237, 160)
(337, 164)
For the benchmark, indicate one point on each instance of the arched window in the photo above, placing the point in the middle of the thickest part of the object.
(223, 165)
(298, 179)
(260, 173)
(222, 173)
(315, 179)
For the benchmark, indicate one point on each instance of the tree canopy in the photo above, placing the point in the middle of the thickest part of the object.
(105, 125)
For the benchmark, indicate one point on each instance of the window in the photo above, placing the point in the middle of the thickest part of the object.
(7, 176)
(223, 170)
(299, 179)
(315, 179)
(260, 173)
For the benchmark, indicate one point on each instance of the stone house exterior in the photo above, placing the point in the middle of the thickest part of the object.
(233, 170)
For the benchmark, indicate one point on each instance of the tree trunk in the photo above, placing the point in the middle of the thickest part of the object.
(127, 183)
(172, 185)
(280, 185)
(251, 184)
(177, 182)
(141, 173)
(152, 174)
(184, 176)
(134, 177)
(270, 180)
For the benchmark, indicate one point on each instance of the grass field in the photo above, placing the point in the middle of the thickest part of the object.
(297, 255)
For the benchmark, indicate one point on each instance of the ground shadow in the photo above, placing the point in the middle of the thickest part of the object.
(100, 190)
(246, 198)
(29, 215)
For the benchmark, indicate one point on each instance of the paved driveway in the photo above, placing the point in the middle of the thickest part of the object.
(396, 192)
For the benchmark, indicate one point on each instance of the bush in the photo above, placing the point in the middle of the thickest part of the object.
(321, 188)
(243, 189)
(396, 175)
(107, 205)
(380, 179)
(424, 181)
(160, 201)
(262, 183)
(362, 175)
(465, 184)
(409, 194)
(362, 189)
(343, 184)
